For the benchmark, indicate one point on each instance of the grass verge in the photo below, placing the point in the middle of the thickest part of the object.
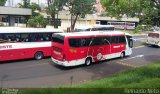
(144, 77)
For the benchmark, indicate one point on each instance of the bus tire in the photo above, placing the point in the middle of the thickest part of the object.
(88, 61)
(38, 55)
(122, 55)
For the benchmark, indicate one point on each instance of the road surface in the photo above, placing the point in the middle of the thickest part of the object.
(44, 73)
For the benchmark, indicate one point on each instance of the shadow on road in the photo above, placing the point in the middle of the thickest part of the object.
(20, 61)
(66, 68)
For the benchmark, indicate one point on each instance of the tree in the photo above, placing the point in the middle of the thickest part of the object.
(54, 6)
(25, 4)
(147, 10)
(35, 9)
(37, 21)
(79, 8)
(2, 2)
(32, 22)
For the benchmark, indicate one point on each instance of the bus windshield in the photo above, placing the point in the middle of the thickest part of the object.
(130, 41)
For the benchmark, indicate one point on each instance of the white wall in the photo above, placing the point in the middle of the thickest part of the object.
(67, 23)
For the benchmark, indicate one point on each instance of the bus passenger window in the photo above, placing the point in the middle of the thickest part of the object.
(17, 39)
(74, 42)
(2, 38)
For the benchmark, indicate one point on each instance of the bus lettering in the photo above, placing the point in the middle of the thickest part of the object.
(5, 46)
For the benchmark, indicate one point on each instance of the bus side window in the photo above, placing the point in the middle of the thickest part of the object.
(98, 41)
(114, 39)
(122, 39)
(2, 38)
(25, 37)
(82, 42)
(79, 42)
(47, 37)
(87, 42)
(94, 29)
(17, 37)
(106, 40)
(10, 37)
(40, 37)
(75, 42)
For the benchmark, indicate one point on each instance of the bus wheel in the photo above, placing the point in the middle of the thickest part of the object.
(38, 55)
(122, 55)
(88, 61)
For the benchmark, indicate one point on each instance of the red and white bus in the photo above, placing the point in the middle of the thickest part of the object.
(153, 38)
(23, 43)
(71, 49)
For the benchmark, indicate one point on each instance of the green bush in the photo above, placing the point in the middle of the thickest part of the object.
(38, 21)
(139, 29)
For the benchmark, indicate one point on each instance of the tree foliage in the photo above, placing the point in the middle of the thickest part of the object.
(25, 4)
(2, 2)
(79, 8)
(37, 21)
(147, 10)
(35, 9)
(54, 6)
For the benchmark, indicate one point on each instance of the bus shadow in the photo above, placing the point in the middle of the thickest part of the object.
(66, 68)
(15, 61)
(105, 68)
(84, 66)
(20, 61)
(152, 46)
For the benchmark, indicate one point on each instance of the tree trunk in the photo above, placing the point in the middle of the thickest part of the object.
(26, 20)
(53, 15)
(53, 19)
(73, 23)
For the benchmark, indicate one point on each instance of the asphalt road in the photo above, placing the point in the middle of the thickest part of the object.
(44, 73)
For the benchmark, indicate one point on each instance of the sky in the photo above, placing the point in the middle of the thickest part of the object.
(15, 2)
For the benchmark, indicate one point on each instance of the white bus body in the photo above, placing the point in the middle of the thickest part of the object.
(22, 43)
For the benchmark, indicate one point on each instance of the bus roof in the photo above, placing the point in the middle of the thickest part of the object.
(92, 26)
(27, 30)
(93, 33)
